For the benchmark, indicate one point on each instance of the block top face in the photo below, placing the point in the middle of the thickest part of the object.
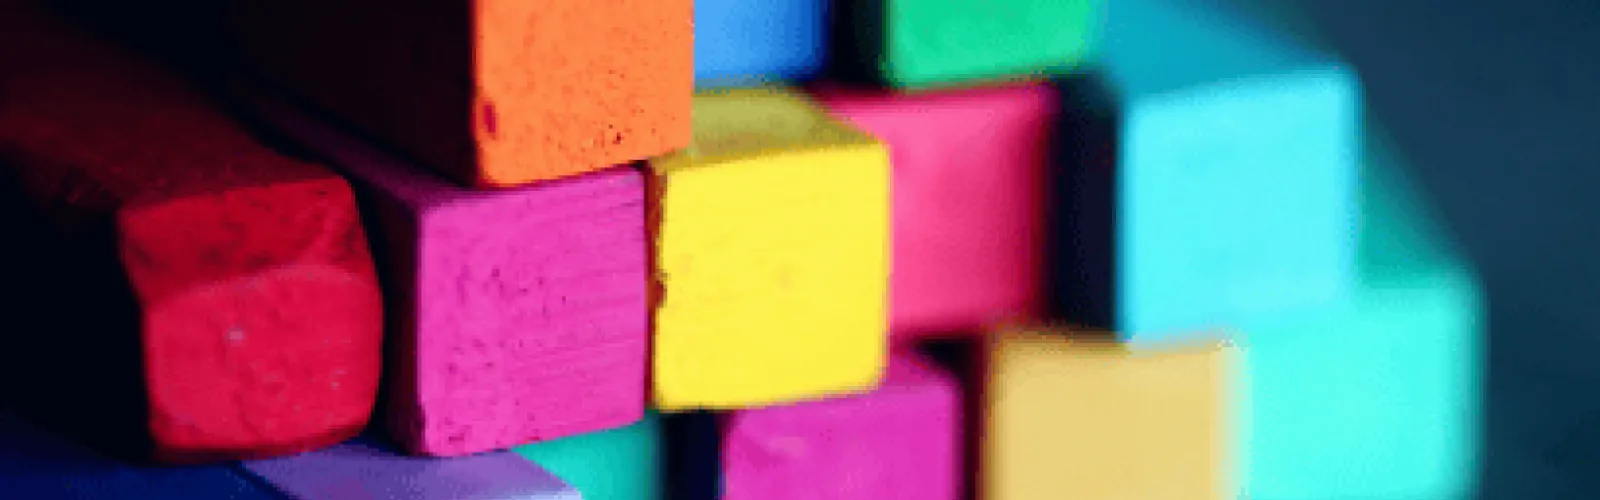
(943, 42)
(1218, 40)
(362, 469)
(740, 123)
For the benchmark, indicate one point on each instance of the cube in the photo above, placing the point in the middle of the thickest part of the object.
(969, 201)
(489, 93)
(181, 292)
(771, 255)
(365, 468)
(519, 314)
(1229, 174)
(1381, 398)
(36, 464)
(739, 43)
(933, 43)
(617, 464)
(1087, 418)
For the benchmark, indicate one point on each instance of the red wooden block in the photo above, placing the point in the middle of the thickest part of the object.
(188, 284)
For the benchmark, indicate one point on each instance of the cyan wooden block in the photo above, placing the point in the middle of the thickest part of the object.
(1381, 398)
(741, 42)
(1208, 185)
(617, 464)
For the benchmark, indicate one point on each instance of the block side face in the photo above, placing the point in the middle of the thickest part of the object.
(1157, 429)
(1244, 190)
(943, 42)
(617, 76)
(1406, 370)
(968, 177)
(795, 243)
(737, 43)
(213, 325)
(618, 464)
(531, 321)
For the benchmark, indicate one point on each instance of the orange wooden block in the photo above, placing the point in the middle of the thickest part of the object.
(487, 92)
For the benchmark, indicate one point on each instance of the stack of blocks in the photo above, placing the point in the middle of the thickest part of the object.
(695, 249)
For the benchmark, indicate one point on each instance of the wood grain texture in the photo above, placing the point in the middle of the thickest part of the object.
(489, 92)
(187, 281)
(519, 314)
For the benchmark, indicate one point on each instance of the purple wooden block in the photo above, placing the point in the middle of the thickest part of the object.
(519, 314)
(360, 470)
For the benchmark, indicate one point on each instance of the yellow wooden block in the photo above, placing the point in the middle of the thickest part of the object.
(771, 255)
(1095, 419)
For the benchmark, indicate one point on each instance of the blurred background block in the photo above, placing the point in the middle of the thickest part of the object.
(616, 464)
(929, 43)
(739, 42)
(1082, 418)
(362, 469)
(968, 186)
(517, 314)
(771, 239)
(1231, 171)
(1381, 398)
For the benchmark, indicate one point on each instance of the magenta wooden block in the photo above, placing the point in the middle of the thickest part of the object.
(968, 194)
(899, 441)
(517, 315)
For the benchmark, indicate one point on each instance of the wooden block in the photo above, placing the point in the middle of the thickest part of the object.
(184, 289)
(1382, 398)
(488, 92)
(1092, 419)
(520, 314)
(363, 469)
(37, 465)
(928, 43)
(900, 441)
(968, 184)
(738, 43)
(616, 464)
(1229, 172)
(771, 255)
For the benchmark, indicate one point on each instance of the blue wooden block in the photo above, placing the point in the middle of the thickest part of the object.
(1380, 398)
(364, 470)
(737, 42)
(1226, 155)
(37, 465)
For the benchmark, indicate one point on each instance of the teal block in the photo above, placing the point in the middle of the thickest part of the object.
(938, 43)
(1232, 171)
(1380, 398)
(617, 464)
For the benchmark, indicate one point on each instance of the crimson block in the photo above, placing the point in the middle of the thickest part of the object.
(519, 314)
(968, 183)
(182, 291)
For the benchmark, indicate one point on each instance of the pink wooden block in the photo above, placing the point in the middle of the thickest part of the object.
(901, 441)
(518, 315)
(969, 187)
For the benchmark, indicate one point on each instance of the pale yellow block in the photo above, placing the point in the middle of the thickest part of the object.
(1070, 419)
(771, 255)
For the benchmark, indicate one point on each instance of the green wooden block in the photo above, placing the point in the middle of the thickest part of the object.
(616, 464)
(936, 43)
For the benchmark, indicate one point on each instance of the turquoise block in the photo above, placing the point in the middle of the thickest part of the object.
(616, 464)
(1231, 171)
(1380, 398)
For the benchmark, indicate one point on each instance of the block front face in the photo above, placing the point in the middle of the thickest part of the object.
(899, 441)
(531, 317)
(1070, 420)
(951, 41)
(771, 256)
(739, 42)
(1243, 189)
(968, 176)
(616, 464)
